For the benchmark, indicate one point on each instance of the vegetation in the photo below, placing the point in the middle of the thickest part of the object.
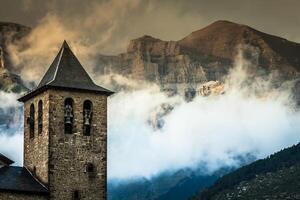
(284, 161)
(179, 185)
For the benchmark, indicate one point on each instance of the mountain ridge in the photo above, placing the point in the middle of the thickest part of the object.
(251, 181)
(204, 55)
(10, 33)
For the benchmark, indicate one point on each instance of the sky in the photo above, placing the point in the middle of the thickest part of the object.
(115, 22)
(248, 121)
(255, 125)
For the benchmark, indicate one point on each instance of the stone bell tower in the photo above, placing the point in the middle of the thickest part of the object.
(65, 131)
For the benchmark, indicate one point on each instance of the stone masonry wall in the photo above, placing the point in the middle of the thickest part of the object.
(19, 196)
(69, 153)
(36, 149)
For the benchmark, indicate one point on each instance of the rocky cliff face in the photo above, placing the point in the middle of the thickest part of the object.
(163, 62)
(9, 81)
(204, 55)
(10, 32)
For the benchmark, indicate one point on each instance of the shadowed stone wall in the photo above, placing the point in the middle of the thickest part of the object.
(60, 159)
(69, 153)
(36, 148)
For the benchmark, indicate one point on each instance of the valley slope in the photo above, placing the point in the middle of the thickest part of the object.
(275, 177)
(10, 33)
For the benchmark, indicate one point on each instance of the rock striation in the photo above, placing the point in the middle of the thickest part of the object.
(205, 55)
(10, 33)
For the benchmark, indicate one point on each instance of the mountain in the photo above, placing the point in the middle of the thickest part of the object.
(204, 55)
(221, 38)
(179, 185)
(9, 33)
(275, 177)
(10, 81)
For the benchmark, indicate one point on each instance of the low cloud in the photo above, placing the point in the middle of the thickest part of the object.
(90, 32)
(11, 144)
(212, 132)
(11, 127)
(250, 119)
(97, 27)
(8, 100)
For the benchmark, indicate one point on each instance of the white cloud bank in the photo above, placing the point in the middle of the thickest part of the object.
(11, 133)
(214, 132)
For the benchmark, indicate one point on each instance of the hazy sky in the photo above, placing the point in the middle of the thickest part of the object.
(106, 26)
(166, 19)
(253, 124)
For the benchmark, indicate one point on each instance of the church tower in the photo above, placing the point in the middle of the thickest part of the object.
(65, 131)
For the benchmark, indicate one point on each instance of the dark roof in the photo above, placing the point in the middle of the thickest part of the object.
(18, 179)
(66, 72)
(5, 160)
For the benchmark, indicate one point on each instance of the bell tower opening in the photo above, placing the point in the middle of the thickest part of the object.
(69, 116)
(31, 121)
(40, 117)
(87, 117)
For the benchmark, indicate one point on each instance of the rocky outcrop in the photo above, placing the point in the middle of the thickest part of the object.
(155, 60)
(204, 55)
(10, 33)
(1, 58)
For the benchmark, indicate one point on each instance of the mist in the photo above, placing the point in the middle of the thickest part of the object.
(208, 132)
(11, 144)
(150, 132)
(251, 119)
(106, 26)
(11, 127)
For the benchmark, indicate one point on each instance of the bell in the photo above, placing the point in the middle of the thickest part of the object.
(86, 121)
(31, 121)
(68, 120)
(87, 116)
(68, 114)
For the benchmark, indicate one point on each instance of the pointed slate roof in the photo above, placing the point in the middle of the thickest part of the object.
(19, 179)
(5, 160)
(66, 72)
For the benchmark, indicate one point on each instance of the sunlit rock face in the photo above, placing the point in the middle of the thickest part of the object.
(9, 80)
(205, 55)
(202, 56)
(211, 88)
(10, 33)
(163, 62)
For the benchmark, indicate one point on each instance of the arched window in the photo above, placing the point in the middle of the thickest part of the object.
(40, 117)
(31, 120)
(76, 195)
(34, 170)
(89, 168)
(87, 117)
(69, 116)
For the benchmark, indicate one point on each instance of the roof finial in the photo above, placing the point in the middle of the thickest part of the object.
(65, 44)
